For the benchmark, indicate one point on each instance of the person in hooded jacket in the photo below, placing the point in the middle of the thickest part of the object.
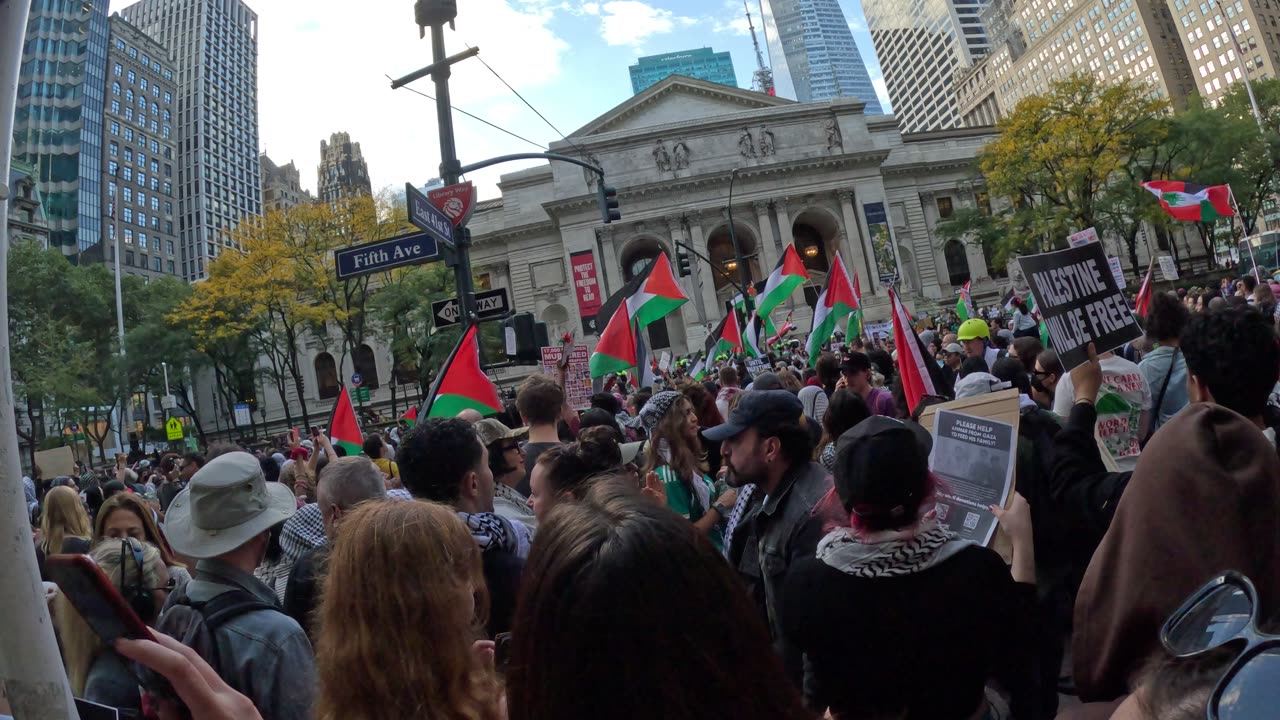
(896, 616)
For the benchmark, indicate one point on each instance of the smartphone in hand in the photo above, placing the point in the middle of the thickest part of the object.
(96, 599)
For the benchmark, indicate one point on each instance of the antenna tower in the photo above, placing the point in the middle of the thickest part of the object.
(762, 78)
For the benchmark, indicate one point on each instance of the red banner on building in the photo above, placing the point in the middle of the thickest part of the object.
(587, 286)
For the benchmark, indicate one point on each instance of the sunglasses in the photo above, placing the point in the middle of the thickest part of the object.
(1225, 611)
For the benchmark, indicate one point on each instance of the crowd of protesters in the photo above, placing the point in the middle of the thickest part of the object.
(743, 545)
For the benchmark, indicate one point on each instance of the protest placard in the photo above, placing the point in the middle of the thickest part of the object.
(1084, 237)
(56, 461)
(1168, 268)
(577, 379)
(1117, 271)
(974, 456)
(664, 361)
(1080, 302)
(755, 366)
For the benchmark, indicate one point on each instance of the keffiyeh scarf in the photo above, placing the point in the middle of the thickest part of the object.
(654, 410)
(494, 533)
(890, 553)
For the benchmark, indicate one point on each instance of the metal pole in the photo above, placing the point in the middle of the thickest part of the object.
(1244, 71)
(450, 170)
(122, 433)
(31, 670)
(744, 272)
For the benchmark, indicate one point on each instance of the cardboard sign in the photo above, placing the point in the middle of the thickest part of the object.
(1117, 271)
(1084, 237)
(1168, 268)
(577, 378)
(975, 457)
(1080, 301)
(55, 461)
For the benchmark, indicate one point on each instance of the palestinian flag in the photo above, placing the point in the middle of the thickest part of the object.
(740, 305)
(1010, 296)
(726, 337)
(920, 374)
(649, 296)
(1142, 303)
(787, 275)
(751, 338)
(1193, 203)
(964, 305)
(462, 384)
(836, 302)
(616, 350)
(411, 417)
(344, 428)
(699, 371)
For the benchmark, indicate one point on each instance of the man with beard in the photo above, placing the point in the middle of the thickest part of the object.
(773, 524)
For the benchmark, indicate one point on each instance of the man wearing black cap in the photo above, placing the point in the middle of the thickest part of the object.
(773, 523)
(855, 369)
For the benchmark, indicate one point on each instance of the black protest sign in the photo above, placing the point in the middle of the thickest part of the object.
(1078, 298)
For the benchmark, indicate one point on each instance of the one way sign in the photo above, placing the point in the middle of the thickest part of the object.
(489, 304)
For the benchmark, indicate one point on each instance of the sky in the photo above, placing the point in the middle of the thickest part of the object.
(323, 67)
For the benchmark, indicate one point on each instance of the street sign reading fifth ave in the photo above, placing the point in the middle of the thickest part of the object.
(489, 304)
(408, 249)
(428, 217)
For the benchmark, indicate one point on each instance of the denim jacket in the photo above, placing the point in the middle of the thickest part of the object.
(273, 661)
(776, 531)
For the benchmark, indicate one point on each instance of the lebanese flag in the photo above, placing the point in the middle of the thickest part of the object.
(657, 295)
(917, 380)
(836, 302)
(462, 384)
(616, 351)
(787, 275)
(1190, 202)
(411, 417)
(1142, 303)
(344, 428)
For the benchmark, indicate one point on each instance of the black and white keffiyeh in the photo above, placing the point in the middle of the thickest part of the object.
(492, 532)
(654, 410)
(889, 554)
(302, 532)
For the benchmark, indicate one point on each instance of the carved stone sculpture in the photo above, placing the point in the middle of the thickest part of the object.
(834, 140)
(746, 145)
(766, 141)
(591, 177)
(681, 153)
(661, 157)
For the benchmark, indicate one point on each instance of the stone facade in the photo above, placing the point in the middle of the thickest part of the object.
(27, 220)
(343, 172)
(281, 186)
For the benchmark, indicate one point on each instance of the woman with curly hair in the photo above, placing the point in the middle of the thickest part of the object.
(396, 644)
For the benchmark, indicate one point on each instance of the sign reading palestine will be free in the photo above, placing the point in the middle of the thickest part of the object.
(1080, 302)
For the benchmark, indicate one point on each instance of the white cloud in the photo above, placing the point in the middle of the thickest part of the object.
(882, 92)
(857, 25)
(631, 22)
(591, 8)
(321, 70)
(736, 26)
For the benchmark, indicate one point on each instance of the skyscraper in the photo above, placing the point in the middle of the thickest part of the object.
(343, 172)
(920, 45)
(138, 157)
(214, 47)
(282, 186)
(57, 126)
(702, 63)
(812, 53)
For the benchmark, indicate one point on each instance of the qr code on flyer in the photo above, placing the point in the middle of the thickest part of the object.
(971, 520)
(943, 511)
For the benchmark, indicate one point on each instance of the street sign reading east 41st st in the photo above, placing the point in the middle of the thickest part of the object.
(428, 217)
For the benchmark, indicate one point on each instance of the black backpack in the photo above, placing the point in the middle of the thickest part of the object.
(195, 624)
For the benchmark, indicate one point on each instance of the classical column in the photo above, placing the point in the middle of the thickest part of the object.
(858, 242)
(767, 243)
(693, 312)
(784, 225)
(705, 275)
(612, 269)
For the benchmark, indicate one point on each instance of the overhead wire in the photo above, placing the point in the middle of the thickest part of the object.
(476, 117)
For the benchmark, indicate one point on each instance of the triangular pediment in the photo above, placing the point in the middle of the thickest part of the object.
(678, 99)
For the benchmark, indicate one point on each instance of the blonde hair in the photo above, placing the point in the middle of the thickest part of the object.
(369, 666)
(80, 644)
(63, 517)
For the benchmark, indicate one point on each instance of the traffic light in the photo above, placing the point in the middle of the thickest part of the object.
(682, 261)
(528, 348)
(608, 203)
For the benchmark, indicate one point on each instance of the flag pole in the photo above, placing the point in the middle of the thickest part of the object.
(1235, 208)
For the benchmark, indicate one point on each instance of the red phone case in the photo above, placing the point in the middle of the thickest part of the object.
(92, 595)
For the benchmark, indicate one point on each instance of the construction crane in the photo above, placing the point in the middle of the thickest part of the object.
(762, 78)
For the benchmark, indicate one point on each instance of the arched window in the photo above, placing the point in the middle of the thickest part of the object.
(957, 262)
(326, 376)
(115, 89)
(367, 367)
